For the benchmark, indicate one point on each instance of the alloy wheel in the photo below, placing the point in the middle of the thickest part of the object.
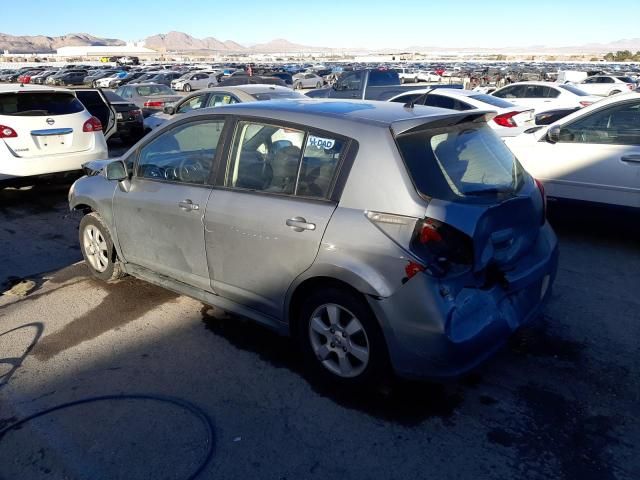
(339, 340)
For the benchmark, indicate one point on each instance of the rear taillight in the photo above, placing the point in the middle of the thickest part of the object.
(585, 103)
(442, 247)
(154, 104)
(135, 113)
(7, 132)
(540, 186)
(506, 119)
(92, 125)
(630, 86)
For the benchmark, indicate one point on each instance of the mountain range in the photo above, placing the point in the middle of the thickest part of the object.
(43, 44)
(181, 42)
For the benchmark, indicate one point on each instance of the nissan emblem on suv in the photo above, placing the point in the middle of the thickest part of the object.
(50, 121)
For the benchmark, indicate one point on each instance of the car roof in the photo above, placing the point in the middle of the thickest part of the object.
(17, 88)
(374, 113)
(251, 88)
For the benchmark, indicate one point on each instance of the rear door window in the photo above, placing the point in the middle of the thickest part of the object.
(283, 160)
(39, 103)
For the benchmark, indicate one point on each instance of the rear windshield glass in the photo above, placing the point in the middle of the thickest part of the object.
(465, 161)
(379, 78)
(148, 90)
(39, 103)
(276, 95)
(574, 90)
(491, 100)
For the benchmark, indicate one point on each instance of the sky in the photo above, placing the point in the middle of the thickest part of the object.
(331, 23)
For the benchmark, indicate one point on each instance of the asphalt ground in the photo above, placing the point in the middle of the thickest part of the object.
(150, 384)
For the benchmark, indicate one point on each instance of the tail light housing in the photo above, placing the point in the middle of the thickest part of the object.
(92, 125)
(442, 247)
(630, 86)
(7, 132)
(543, 194)
(135, 113)
(506, 119)
(154, 104)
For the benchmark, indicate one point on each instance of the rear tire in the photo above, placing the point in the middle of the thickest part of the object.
(98, 250)
(187, 87)
(341, 340)
(318, 85)
(615, 92)
(211, 85)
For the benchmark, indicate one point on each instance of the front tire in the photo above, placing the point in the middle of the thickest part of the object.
(98, 250)
(187, 88)
(340, 338)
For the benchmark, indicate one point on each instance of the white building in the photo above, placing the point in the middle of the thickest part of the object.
(130, 49)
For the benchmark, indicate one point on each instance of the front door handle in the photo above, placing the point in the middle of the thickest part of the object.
(187, 205)
(631, 158)
(299, 224)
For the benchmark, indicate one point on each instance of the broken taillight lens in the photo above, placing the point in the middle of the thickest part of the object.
(441, 247)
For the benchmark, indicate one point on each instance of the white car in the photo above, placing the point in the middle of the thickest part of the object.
(606, 85)
(428, 76)
(408, 75)
(307, 80)
(543, 96)
(591, 155)
(194, 81)
(46, 130)
(510, 120)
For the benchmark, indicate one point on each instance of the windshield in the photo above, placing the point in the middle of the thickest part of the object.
(150, 90)
(276, 95)
(491, 100)
(574, 90)
(462, 161)
(39, 103)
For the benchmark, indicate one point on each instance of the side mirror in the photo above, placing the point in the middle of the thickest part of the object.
(553, 135)
(117, 171)
(169, 109)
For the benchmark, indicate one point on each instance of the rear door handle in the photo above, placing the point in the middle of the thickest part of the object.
(631, 158)
(299, 224)
(187, 205)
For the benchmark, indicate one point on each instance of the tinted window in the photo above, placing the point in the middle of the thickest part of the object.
(441, 101)
(617, 125)
(513, 91)
(606, 80)
(275, 95)
(461, 161)
(192, 104)
(39, 103)
(352, 81)
(495, 101)
(407, 98)
(379, 78)
(574, 90)
(221, 99)
(626, 79)
(148, 90)
(184, 154)
(320, 161)
(265, 158)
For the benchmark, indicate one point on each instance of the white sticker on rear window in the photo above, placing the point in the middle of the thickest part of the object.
(318, 142)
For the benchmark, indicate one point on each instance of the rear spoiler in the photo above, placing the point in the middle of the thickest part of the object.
(413, 125)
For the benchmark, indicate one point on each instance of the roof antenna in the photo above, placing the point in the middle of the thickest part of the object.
(418, 99)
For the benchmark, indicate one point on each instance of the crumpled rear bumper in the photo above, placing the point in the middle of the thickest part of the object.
(432, 333)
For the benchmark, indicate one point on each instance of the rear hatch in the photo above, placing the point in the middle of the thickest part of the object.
(44, 123)
(97, 104)
(481, 201)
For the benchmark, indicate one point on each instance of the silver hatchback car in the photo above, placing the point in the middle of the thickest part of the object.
(375, 234)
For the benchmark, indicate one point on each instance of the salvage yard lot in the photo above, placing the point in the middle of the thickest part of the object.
(561, 401)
